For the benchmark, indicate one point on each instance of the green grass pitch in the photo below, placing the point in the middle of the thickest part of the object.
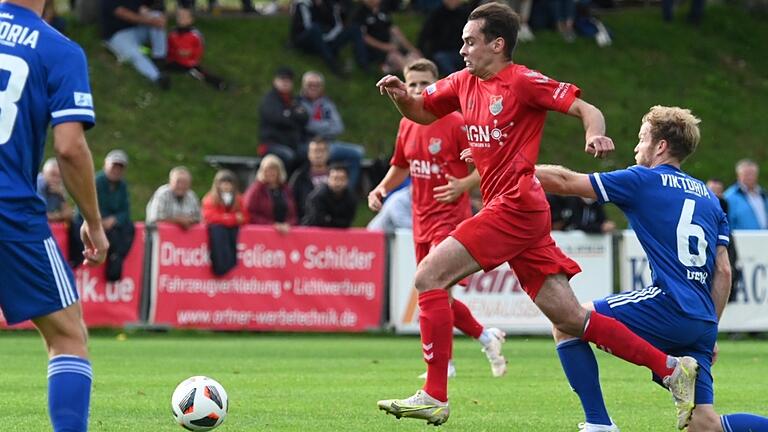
(329, 383)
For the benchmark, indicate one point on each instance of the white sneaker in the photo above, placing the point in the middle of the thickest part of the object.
(451, 371)
(493, 352)
(588, 427)
(419, 406)
(682, 384)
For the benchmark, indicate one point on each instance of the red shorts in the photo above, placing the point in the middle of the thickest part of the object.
(500, 233)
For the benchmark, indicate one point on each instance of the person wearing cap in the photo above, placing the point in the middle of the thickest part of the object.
(115, 207)
(175, 202)
(282, 119)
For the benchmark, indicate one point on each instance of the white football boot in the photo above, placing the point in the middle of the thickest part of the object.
(682, 384)
(588, 427)
(419, 406)
(493, 352)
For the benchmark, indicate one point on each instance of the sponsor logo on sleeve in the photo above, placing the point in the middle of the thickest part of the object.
(83, 99)
(431, 89)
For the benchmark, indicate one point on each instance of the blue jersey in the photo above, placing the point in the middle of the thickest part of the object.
(679, 223)
(43, 80)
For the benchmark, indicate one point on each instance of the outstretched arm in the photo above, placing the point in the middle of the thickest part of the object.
(409, 106)
(392, 179)
(597, 143)
(562, 181)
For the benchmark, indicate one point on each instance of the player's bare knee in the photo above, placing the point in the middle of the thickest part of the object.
(561, 336)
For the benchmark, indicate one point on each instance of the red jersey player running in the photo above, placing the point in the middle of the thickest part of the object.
(504, 106)
(440, 180)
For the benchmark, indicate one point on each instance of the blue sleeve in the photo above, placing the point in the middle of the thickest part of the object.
(69, 92)
(619, 187)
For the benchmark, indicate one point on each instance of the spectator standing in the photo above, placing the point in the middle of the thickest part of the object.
(563, 13)
(311, 175)
(747, 201)
(571, 213)
(318, 28)
(126, 26)
(325, 121)
(269, 200)
(440, 37)
(115, 208)
(50, 187)
(282, 119)
(223, 212)
(175, 202)
(332, 205)
(387, 45)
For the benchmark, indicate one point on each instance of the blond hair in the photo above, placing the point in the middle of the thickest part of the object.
(271, 161)
(421, 65)
(678, 126)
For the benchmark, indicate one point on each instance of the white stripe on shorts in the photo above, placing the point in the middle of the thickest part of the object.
(649, 295)
(630, 295)
(62, 282)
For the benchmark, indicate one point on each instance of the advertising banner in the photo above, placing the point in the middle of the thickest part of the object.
(106, 304)
(749, 309)
(306, 280)
(496, 298)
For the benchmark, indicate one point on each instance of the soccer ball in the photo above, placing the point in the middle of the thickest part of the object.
(199, 404)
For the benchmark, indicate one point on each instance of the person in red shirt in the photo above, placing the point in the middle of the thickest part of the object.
(440, 179)
(223, 213)
(186, 47)
(504, 106)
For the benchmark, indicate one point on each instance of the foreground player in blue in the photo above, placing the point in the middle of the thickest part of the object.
(684, 233)
(44, 80)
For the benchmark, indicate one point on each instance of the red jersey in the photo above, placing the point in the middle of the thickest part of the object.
(504, 118)
(430, 152)
(185, 47)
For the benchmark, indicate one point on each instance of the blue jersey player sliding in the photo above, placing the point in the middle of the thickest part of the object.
(684, 233)
(44, 80)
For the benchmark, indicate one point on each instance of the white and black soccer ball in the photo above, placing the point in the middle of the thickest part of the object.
(199, 403)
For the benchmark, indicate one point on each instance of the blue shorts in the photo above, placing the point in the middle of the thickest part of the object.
(656, 318)
(35, 280)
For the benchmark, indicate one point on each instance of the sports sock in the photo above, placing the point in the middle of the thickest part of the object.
(743, 422)
(436, 323)
(69, 393)
(465, 321)
(580, 367)
(615, 338)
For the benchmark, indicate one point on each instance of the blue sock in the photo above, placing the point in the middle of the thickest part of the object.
(744, 423)
(580, 367)
(69, 393)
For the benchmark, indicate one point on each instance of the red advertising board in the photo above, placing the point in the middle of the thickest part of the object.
(306, 280)
(106, 304)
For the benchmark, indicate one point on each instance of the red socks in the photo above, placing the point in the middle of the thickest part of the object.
(436, 323)
(465, 321)
(615, 338)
